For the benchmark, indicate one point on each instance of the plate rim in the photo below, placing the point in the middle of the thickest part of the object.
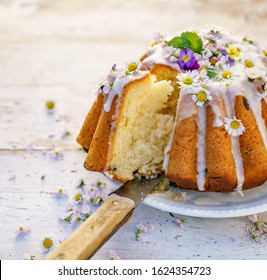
(168, 205)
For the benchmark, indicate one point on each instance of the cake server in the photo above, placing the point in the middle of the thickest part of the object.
(105, 221)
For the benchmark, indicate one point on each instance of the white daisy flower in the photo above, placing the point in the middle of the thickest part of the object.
(204, 64)
(254, 73)
(200, 96)
(248, 61)
(234, 126)
(188, 80)
(221, 62)
(207, 53)
(227, 86)
(49, 241)
(132, 66)
(228, 73)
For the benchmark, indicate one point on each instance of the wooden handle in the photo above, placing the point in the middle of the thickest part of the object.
(93, 233)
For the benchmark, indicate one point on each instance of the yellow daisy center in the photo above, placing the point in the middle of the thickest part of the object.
(21, 228)
(249, 63)
(226, 74)
(235, 124)
(78, 197)
(153, 44)
(188, 80)
(186, 58)
(50, 104)
(48, 242)
(132, 66)
(265, 52)
(203, 67)
(202, 96)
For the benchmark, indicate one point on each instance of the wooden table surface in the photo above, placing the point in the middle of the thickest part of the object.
(60, 50)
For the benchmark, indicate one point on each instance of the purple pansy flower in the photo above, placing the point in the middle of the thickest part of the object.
(187, 60)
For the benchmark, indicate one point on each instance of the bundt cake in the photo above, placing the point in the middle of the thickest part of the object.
(194, 106)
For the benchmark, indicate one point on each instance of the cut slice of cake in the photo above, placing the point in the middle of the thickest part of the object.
(132, 125)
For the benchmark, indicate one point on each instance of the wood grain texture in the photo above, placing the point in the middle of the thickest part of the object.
(92, 233)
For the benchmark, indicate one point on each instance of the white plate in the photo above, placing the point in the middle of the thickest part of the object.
(212, 205)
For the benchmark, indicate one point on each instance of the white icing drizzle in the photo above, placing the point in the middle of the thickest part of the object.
(229, 102)
(201, 148)
(169, 146)
(119, 84)
(254, 101)
(155, 55)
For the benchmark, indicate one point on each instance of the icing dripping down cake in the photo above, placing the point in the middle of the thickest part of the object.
(194, 106)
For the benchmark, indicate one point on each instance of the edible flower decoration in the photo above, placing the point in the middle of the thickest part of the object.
(234, 51)
(248, 61)
(234, 126)
(200, 96)
(228, 73)
(187, 60)
(190, 44)
(265, 52)
(254, 73)
(132, 66)
(188, 80)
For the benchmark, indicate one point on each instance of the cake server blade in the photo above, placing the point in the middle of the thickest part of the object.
(105, 221)
(138, 189)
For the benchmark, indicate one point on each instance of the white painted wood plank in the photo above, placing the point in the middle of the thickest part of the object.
(60, 53)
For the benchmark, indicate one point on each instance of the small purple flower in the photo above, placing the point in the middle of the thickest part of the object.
(223, 51)
(56, 154)
(142, 227)
(65, 134)
(60, 193)
(86, 211)
(187, 60)
(12, 177)
(157, 37)
(113, 255)
(253, 218)
(180, 223)
(230, 60)
(22, 230)
(76, 218)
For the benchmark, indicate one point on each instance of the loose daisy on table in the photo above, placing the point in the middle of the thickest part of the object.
(22, 230)
(49, 242)
(254, 73)
(234, 126)
(60, 193)
(200, 96)
(188, 80)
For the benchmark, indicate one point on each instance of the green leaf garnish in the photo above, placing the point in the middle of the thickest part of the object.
(176, 42)
(212, 73)
(187, 40)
